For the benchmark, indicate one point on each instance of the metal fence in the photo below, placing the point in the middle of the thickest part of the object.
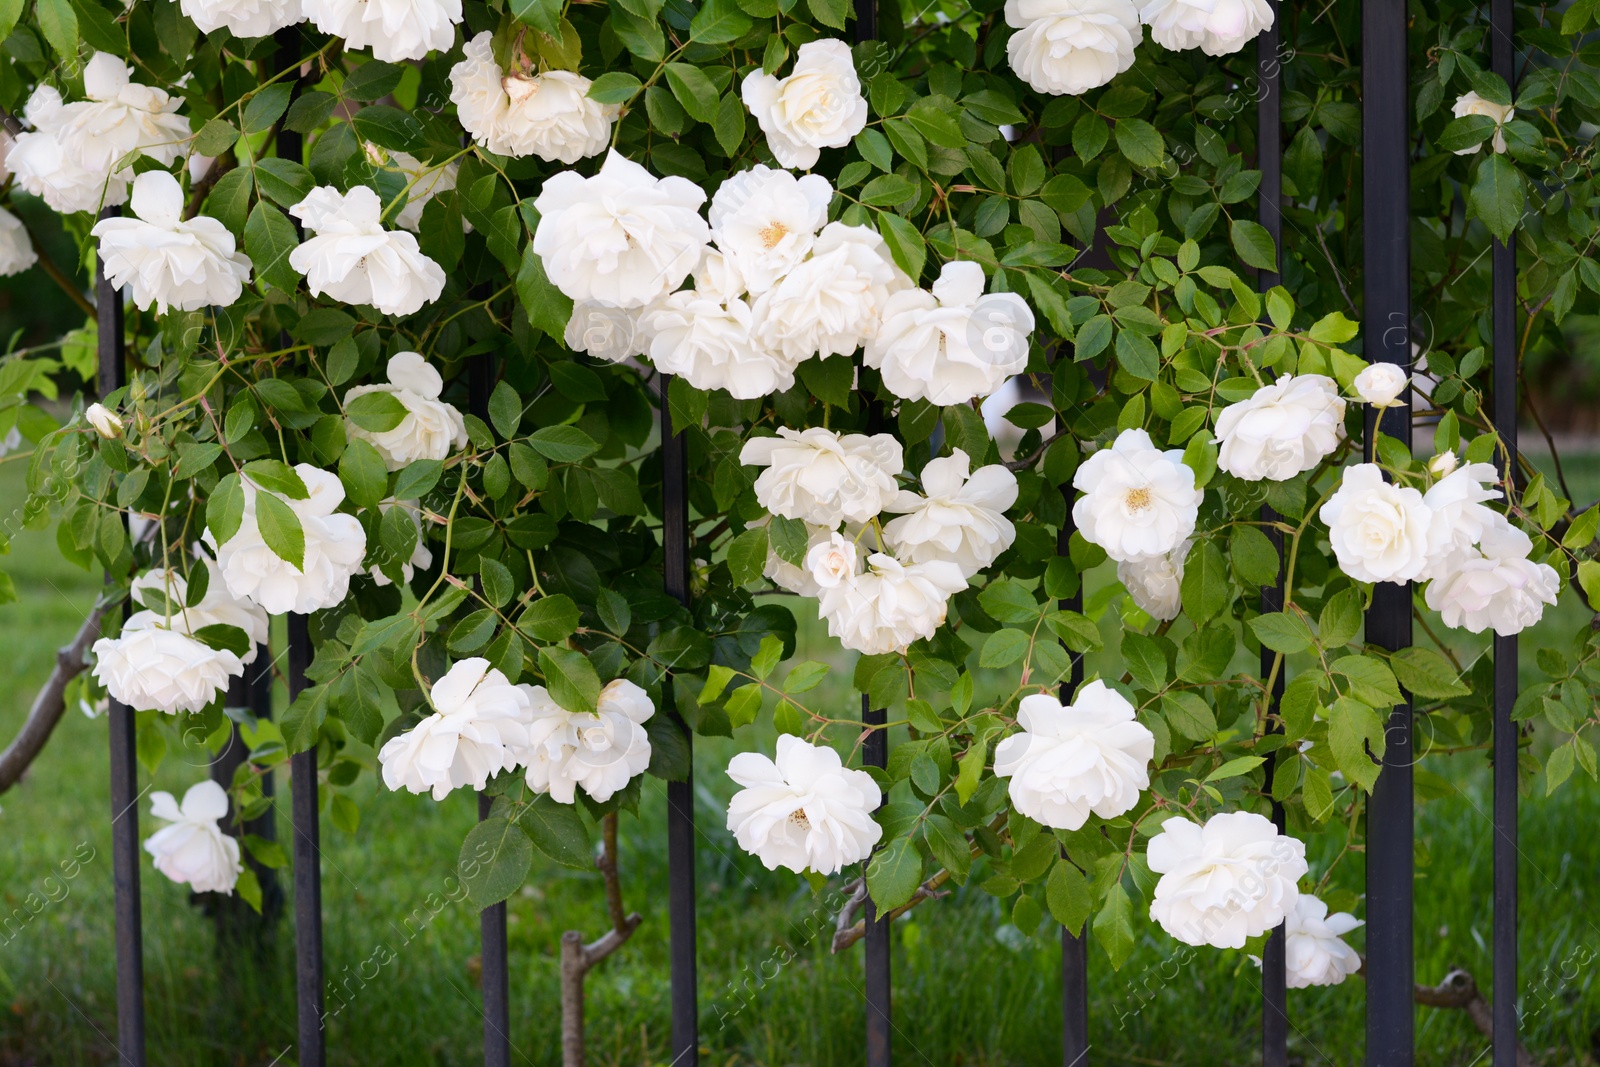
(1389, 831)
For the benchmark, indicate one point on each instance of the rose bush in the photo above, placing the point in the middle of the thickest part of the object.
(406, 382)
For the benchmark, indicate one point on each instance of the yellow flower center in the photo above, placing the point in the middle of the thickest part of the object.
(798, 817)
(1138, 499)
(772, 233)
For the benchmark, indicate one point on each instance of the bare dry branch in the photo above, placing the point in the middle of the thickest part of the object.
(578, 958)
(50, 703)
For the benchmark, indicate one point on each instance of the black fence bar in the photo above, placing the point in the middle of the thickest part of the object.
(1386, 333)
(875, 753)
(1502, 59)
(680, 795)
(308, 969)
(235, 919)
(1074, 947)
(124, 758)
(1269, 211)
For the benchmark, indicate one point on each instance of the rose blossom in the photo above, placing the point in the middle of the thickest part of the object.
(707, 340)
(547, 115)
(804, 810)
(106, 423)
(421, 555)
(192, 849)
(395, 30)
(1216, 27)
(612, 334)
(478, 728)
(1459, 517)
(217, 606)
(1281, 430)
(1231, 879)
(155, 665)
(1496, 585)
(1379, 531)
(766, 221)
(243, 18)
(954, 343)
(601, 750)
(335, 545)
(16, 247)
(1069, 760)
(1156, 584)
(819, 105)
(1137, 501)
(1381, 384)
(430, 429)
(798, 579)
(1071, 46)
(823, 478)
(831, 304)
(890, 604)
(424, 181)
(621, 238)
(354, 260)
(160, 259)
(1471, 103)
(961, 518)
(1314, 953)
(43, 166)
(832, 562)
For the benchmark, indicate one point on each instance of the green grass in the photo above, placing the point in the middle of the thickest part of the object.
(969, 988)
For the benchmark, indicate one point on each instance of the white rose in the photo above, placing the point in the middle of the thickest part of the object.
(421, 556)
(1231, 879)
(1379, 531)
(1282, 430)
(547, 115)
(424, 181)
(767, 220)
(122, 117)
(961, 519)
(1443, 464)
(160, 259)
(16, 247)
(831, 304)
(395, 30)
(832, 562)
(601, 751)
(243, 18)
(1216, 27)
(156, 666)
(1069, 760)
(1471, 103)
(621, 238)
(952, 344)
(1313, 951)
(106, 423)
(217, 606)
(1156, 584)
(1137, 501)
(335, 545)
(478, 729)
(805, 810)
(823, 478)
(709, 343)
(1498, 587)
(430, 429)
(353, 259)
(1381, 384)
(43, 167)
(890, 604)
(1459, 517)
(819, 105)
(1071, 46)
(789, 576)
(191, 849)
(612, 334)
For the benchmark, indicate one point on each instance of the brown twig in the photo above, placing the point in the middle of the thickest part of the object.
(49, 704)
(1458, 990)
(1023, 464)
(578, 958)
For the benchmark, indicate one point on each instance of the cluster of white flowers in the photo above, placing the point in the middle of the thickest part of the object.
(943, 536)
(483, 724)
(547, 115)
(774, 284)
(1071, 46)
(191, 849)
(157, 664)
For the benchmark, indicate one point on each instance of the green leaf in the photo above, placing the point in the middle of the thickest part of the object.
(1371, 680)
(1341, 619)
(1559, 767)
(557, 830)
(894, 874)
(505, 409)
(1352, 727)
(693, 90)
(728, 124)
(59, 23)
(1206, 588)
(10, 12)
(309, 111)
(747, 556)
(494, 862)
(551, 618)
(718, 22)
(562, 444)
(541, 14)
(570, 678)
(284, 180)
(363, 474)
(1067, 895)
(280, 529)
(1113, 926)
(215, 137)
(1234, 768)
(1189, 714)
(615, 87)
(1497, 195)
(224, 638)
(225, 508)
(1140, 143)
(789, 539)
(230, 199)
(830, 380)
(390, 127)
(1254, 244)
(1282, 632)
(1254, 557)
(905, 243)
(1003, 648)
(1427, 674)
(265, 105)
(269, 237)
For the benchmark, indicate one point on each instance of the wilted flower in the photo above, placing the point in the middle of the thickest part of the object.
(548, 115)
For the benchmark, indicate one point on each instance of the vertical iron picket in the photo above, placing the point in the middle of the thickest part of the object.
(494, 962)
(124, 755)
(235, 919)
(680, 795)
(1074, 947)
(1386, 332)
(1502, 57)
(1269, 160)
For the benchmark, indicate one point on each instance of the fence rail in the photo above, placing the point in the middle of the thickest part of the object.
(1387, 337)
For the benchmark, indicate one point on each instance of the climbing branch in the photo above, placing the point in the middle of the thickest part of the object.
(578, 958)
(50, 703)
